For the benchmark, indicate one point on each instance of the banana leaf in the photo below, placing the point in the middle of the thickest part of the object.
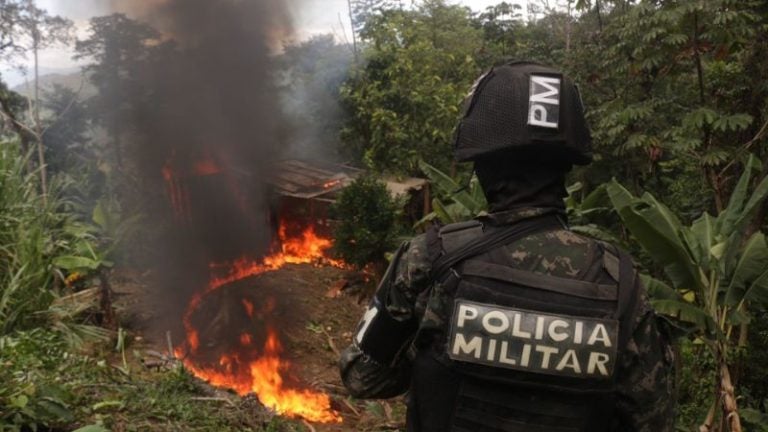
(657, 231)
(704, 231)
(731, 214)
(686, 313)
(751, 264)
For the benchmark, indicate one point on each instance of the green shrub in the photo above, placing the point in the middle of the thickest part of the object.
(33, 394)
(366, 228)
(30, 228)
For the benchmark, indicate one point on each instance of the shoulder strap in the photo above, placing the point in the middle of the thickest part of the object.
(491, 239)
(626, 310)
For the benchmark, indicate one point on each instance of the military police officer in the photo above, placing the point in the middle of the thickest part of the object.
(512, 322)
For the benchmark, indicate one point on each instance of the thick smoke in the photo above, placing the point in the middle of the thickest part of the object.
(206, 129)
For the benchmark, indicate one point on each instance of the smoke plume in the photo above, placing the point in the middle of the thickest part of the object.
(206, 129)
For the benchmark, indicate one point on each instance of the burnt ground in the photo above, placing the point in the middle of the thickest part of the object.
(316, 315)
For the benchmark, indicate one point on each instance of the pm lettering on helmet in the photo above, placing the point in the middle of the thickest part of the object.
(544, 101)
(532, 341)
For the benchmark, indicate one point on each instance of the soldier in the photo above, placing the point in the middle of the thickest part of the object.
(512, 322)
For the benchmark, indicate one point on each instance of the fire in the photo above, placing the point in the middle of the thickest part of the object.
(331, 184)
(253, 369)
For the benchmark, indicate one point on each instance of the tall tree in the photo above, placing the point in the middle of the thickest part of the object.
(42, 31)
(24, 27)
(11, 13)
(671, 92)
(403, 104)
(118, 47)
(500, 24)
(361, 11)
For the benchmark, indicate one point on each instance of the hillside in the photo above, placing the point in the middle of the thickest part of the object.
(72, 81)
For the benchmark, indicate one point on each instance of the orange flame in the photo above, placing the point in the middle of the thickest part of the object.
(331, 184)
(250, 370)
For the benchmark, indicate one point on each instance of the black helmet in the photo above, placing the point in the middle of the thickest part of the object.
(527, 109)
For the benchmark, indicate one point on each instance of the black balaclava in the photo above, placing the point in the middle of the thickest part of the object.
(511, 183)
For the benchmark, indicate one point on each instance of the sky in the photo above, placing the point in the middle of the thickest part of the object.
(314, 17)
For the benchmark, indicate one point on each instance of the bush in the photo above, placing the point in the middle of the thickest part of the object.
(366, 228)
(30, 237)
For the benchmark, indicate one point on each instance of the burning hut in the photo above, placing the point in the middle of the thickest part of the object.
(306, 190)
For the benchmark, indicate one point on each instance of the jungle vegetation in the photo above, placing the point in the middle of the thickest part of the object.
(676, 97)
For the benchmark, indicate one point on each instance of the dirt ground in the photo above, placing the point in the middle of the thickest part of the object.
(316, 315)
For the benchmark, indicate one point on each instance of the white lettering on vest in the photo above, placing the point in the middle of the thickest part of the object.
(539, 328)
(492, 349)
(526, 358)
(516, 331)
(546, 352)
(553, 334)
(598, 361)
(599, 334)
(503, 358)
(474, 346)
(466, 313)
(500, 327)
(569, 360)
(578, 333)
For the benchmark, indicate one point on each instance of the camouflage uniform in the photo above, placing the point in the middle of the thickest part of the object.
(644, 385)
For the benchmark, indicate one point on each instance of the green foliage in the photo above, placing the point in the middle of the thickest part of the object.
(404, 102)
(38, 239)
(453, 202)
(364, 10)
(756, 419)
(695, 383)
(47, 386)
(710, 263)
(32, 396)
(501, 25)
(717, 269)
(755, 364)
(31, 237)
(367, 222)
(673, 95)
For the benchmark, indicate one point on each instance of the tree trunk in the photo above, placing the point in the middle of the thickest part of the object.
(710, 420)
(730, 409)
(108, 311)
(38, 126)
(354, 30)
(568, 29)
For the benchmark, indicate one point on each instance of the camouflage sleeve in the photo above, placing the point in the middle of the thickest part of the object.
(411, 278)
(646, 396)
(364, 377)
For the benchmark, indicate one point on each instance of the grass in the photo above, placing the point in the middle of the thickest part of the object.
(49, 387)
(30, 228)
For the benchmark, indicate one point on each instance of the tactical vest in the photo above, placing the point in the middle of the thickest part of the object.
(503, 349)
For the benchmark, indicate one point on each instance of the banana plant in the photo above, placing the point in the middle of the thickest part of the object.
(454, 202)
(94, 243)
(716, 272)
(584, 211)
